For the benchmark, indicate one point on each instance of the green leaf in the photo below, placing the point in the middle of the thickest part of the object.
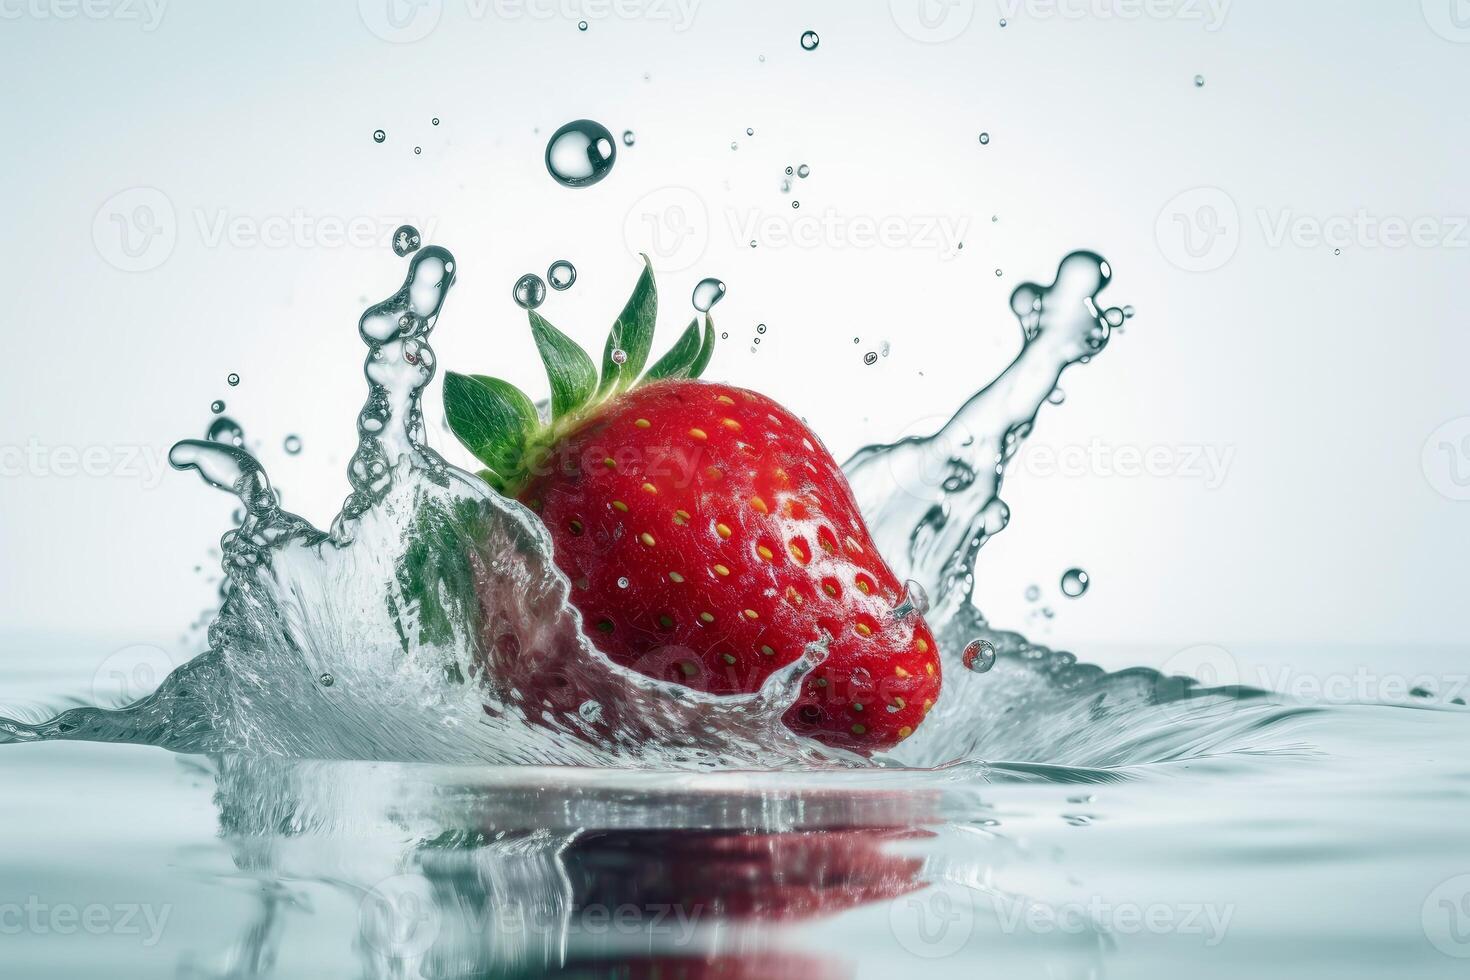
(571, 372)
(491, 417)
(676, 363)
(632, 334)
(705, 352)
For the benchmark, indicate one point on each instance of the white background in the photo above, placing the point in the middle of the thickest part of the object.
(1321, 376)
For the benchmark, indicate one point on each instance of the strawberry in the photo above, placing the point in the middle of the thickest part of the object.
(709, 536)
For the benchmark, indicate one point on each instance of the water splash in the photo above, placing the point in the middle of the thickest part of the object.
(430, 623)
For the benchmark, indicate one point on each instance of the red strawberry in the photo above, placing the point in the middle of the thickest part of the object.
(710, 538)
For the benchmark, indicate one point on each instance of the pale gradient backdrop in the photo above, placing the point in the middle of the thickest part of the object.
(192, 189)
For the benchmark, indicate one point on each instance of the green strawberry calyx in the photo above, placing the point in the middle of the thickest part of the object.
(499, 423)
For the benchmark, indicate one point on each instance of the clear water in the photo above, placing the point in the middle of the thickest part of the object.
(361, 785)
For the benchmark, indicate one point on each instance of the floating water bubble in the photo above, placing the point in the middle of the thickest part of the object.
(406, 240)
(379, 136)
(809, 40)
(529, 291)
(1033, 592)
(1199, 81)
(870, 358)
(233, 380)
(619, 356)
(293, 445)
(434, 121)
(1075, 582)
(623, 583)
(749, 131)
(580, 153)
(628, 137)
(803, 171)
(724, 335)
(883, 349)
(786, 186)
(756, 340)
(1002, 22)
(226, 430)
(984, 139)
(216, 406)
(979, 656)
(1057, 396)
(734, 145)
(1128, 310)
(581, 25)
(561, 275)
(327, 680)
(417, 150)
(796, 204)
(790, 171)
(707, 294)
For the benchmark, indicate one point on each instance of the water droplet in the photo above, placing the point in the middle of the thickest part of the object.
(379, 136)
(707, 294)
(809, 40)
(1114, 317)
(529, 291)
(1057, 396)
(1337, 251)
(216, 407)
(628, 137)
(803, 171)
(999, 273)
(435, 121)
(1199, 81)
(749, 131)
(1128, 311)
(417, 150)
(883, 348)
(226, 430)
(724, 335)
(622, 583)
(1002, 22)
(233, 380)
(979, 656)
(581, 25)
(790, 171)
(293, 445)
(619, 356)
(870, 358)
(984, 139)
(796, 204)
(580, 153)
(914, 600)
(1033, 592)
(1075, 582)
(406, 240)
(734, 145)
(760, 328)
(561, 275)
(327, 680)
